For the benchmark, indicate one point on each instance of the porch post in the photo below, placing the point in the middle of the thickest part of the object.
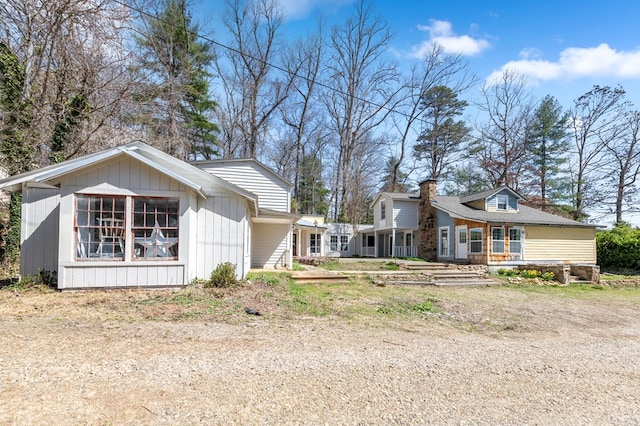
(375, 243)
(393, 242)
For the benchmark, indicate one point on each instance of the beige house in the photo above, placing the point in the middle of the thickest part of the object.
(493, 228)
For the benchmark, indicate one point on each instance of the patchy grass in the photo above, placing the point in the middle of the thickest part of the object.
(337, 265)
(276, 296)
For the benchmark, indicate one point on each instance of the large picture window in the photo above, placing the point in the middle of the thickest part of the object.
(106, 230)
(100, 226)
(155, 227)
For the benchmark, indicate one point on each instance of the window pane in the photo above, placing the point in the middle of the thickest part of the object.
(155, 236)
(100, 227)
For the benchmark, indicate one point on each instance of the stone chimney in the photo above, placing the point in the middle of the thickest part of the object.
(427, 224)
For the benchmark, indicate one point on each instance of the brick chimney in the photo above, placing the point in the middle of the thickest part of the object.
(427, 225)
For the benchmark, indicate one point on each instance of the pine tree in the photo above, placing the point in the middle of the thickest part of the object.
(174, 101)
(548, 147)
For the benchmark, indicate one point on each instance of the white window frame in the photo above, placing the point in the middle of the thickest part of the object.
(472, 241)
(314, 244)
(505, 201)
(496, 241)
(383, 209)
(519, 241)
(344, 243)
(444, 244)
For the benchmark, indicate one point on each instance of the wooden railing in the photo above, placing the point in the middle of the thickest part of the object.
(368, 251)
(405, 251)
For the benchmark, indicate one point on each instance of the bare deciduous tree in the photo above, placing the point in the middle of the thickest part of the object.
(623, 165)
(595, 122)
(74, 71)
(360, 91)
(252, 93)
(501, 149)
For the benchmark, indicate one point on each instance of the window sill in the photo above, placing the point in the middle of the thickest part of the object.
(115, 263)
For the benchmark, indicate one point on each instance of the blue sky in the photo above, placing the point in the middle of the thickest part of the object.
(562, 47)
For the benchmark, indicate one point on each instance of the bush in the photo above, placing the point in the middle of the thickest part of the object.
(509, 272)
(619, 248)
(548, 276)
(529, 273)
(224, 276)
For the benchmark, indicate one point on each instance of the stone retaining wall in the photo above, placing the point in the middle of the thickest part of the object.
(564, 272)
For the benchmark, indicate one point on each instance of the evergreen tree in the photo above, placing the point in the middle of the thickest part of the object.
(174, 101)
(548, 146)
(395, 178)
(441, 142)
(311, 195)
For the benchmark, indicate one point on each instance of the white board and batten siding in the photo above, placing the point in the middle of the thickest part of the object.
(221, 234)
(270, 241)
(273, 192)
(39, 230)
(121, 176)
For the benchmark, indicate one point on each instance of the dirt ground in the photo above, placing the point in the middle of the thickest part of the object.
(491, 356)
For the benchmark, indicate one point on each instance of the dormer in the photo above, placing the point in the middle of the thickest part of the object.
(497, 200)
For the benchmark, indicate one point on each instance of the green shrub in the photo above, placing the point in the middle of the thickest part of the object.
(529, 273)
(224, 276)
(619, 248)
(509, 272)
(548, 276)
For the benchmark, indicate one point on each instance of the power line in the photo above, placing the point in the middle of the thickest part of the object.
(269, 64)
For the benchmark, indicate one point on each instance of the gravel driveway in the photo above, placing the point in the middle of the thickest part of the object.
(567, 362)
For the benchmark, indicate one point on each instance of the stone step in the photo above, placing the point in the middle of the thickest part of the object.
(455, 275)
(316, 278)
(480, 282)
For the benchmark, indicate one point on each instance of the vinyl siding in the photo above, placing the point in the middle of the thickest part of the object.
(39, 232)
(405, 214)
(565, 245)
(271, 193)
(269, 242)
(512, 203)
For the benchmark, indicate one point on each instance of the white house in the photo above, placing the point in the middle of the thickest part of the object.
(134, 216)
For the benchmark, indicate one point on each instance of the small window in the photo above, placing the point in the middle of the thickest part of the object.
(344, 243)
(444, 242)
(497, 239)
(515, 241)
(383, 210)
(333, 243)
(475, 240)
(314, 244)
(503, 202)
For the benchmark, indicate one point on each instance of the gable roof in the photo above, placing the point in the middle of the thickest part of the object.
(198, 180)
(488, 193)
(525, 215)
(397, 196)
(222, 162)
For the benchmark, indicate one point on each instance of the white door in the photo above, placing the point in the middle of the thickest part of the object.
(461, 242)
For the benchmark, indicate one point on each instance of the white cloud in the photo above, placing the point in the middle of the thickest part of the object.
(300, 9)
(441, 33)
(576, 62)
